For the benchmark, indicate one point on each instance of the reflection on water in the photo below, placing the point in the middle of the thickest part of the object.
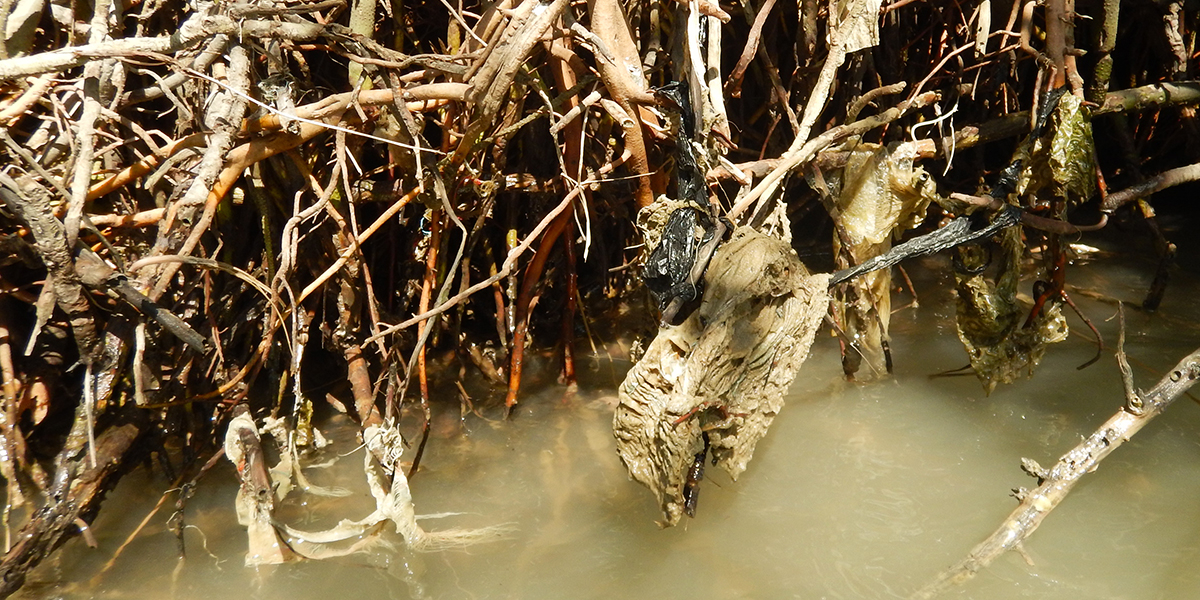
(858, 491)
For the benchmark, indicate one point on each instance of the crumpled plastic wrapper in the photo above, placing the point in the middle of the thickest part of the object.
(723, 371)
(990, 317)
(1063, 163)
(1057, 172)
(876, 197)
(652, 219)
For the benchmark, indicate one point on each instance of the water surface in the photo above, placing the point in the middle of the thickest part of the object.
(859, 490)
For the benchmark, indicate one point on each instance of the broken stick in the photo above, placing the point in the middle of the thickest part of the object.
(1054, 483)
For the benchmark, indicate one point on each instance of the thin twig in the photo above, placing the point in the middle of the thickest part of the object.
(505, 269)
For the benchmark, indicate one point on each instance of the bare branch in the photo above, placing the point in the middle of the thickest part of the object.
(1036, 504)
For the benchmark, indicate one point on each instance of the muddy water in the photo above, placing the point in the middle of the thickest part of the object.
(859, 491)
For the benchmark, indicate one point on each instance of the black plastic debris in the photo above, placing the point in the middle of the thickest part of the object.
(962, 230)
(668, 270)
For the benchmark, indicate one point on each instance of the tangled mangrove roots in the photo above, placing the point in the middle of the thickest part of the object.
(266, 207)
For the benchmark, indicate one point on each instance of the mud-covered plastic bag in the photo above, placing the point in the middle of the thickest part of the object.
(722, 372)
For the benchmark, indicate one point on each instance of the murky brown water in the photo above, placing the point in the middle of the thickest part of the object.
(859, 491)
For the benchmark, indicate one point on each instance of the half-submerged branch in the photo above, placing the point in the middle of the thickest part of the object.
(82, 494)
(1057, 481)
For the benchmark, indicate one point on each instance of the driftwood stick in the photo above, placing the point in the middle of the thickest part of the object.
(1057, 481)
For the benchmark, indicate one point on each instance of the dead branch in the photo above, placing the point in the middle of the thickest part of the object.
(222, 118)
(28, 98)
(734, 84)
(1054, 483)
(1142, 98)
(190, 32)
(496, 72)
(1155, 95)
(627, 89)
(64, 287)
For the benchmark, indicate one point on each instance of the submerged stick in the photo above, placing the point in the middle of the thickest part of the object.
(1057, 481)
(533, 273)
(431, 260)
